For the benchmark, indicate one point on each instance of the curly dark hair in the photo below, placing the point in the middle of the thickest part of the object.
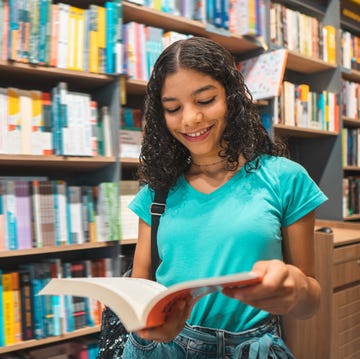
(163, 159)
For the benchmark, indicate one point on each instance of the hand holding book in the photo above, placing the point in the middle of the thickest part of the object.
(141, 303)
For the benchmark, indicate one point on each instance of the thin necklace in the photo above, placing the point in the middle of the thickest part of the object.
(209, 164)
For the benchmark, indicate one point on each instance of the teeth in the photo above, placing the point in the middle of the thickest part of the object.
(197, 134)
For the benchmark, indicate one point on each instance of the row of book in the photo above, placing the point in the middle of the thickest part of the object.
(61, 35)
(25, 315)
(36, 213)
(350, 146)
(302, 33)
(242, 17)
(351, 196)
(350, 50)
(299, 106)
(66, 36)
(351, 99)
(59, 122)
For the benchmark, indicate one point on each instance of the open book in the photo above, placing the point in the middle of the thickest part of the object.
(142, 303)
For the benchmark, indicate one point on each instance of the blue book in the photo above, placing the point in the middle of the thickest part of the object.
(110, 33)
(43, 30)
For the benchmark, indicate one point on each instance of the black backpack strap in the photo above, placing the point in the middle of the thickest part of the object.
(157, 208)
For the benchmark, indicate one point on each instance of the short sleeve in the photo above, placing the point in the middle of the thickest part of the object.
(140, 205)
(299, 193)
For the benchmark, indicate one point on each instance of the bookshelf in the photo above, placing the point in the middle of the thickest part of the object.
(320, 151)
(75, 170)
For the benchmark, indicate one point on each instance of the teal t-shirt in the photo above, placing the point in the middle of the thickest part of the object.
(227, 231)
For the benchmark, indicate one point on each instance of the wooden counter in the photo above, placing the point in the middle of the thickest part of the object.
(334, 332)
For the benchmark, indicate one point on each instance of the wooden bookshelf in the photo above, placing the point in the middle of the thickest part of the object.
(307, 65)
(52, 162)
(235, 43)
(58, 249)
(294, 131)
(50, 340)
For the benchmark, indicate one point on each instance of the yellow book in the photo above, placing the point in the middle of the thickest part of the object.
(37, 123)
(93, 40)
(8, 309)
(14, 121)
(72, 38)
(17, 306)
(101, 36)
(330, 43)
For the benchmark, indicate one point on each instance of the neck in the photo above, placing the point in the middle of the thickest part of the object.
(209, 164)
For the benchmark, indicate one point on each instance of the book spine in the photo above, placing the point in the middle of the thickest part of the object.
(26, 305)
(2, 316)
(8, 309)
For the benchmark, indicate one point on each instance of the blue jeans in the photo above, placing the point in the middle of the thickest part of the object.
(196, 342)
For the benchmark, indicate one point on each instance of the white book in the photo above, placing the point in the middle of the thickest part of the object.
(26, 118)
(62, 49)
(142, 303)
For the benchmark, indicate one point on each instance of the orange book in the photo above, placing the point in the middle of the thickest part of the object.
(142, 303)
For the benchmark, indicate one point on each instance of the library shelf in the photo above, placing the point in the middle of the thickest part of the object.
(293, 131)
(50, 340)
(351, 122)
(56, 249)
(53, 162)
(126, 161)
(354, 217)
(350, 74)
(235, 43)
(52, 75)
(306, 64)
(127, 242)
(351, 168)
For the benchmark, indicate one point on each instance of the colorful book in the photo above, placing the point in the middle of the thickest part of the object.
(264, 74)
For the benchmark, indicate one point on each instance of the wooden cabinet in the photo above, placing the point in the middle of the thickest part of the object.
(334, 332)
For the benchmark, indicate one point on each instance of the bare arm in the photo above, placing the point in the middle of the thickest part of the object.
(142, 256)
(288, 287)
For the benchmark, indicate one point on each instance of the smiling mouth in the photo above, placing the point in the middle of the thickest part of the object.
(198, 134)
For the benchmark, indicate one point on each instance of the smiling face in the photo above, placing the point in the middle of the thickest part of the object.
(194, 110)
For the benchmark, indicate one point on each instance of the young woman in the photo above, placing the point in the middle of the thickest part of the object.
(235, 203)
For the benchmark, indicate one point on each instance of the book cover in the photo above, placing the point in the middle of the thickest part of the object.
(264, 74)
(141, 303)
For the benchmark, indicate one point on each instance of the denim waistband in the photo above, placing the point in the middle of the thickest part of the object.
(261, 342)
(210, 336)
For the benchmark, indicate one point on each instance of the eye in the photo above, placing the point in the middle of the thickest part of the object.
(172, 110)
(206, 102)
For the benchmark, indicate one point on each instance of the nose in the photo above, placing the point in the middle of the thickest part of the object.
(191, 116)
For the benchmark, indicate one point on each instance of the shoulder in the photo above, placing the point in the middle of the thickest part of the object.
(282, 166)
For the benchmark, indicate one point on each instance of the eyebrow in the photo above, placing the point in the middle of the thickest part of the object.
(196, 92)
